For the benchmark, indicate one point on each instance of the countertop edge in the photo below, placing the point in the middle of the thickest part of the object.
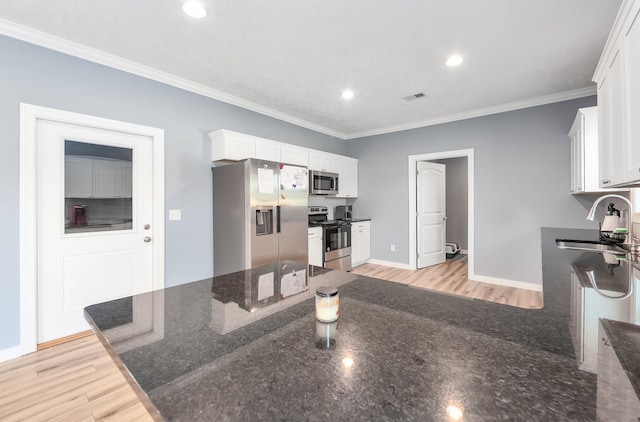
(144, 398)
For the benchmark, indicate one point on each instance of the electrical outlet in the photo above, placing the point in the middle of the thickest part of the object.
(393, 247)
(175, 215)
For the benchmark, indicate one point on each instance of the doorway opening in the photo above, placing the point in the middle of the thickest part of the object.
(413, 200)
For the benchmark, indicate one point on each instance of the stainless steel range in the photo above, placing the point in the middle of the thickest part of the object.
(336, 238)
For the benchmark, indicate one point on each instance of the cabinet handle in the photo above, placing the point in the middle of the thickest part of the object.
(606, 181)
(605, 342)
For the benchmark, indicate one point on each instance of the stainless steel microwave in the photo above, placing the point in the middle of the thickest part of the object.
(323, 183)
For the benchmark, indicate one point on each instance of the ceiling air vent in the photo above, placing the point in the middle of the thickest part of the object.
(414, 96)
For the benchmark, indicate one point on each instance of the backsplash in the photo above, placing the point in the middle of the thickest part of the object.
(102, 211)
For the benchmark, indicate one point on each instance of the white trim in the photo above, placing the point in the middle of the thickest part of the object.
(10, 353)
(29, 115)
(413, 168)
(517, 105)
(509, 283)
(30, 35)
(71, 48)
(390, 264)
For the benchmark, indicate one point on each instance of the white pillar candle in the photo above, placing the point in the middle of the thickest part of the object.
(327, 304)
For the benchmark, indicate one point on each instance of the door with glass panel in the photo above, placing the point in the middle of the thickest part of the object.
(94, 222)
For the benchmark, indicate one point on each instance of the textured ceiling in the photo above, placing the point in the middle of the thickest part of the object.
(292, 58)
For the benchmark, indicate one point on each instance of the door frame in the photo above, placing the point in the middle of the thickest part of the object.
(29, 116)
(413, 169)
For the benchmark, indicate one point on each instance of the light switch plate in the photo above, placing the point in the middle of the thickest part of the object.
(175, 215)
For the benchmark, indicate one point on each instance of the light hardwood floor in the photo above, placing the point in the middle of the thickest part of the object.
(451, 277)
(78, 380)
(73, 381)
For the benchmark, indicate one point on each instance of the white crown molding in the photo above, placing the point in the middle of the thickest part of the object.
(547, 99)
(30, 35)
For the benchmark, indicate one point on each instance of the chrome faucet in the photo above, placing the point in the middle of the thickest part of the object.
(629, 242)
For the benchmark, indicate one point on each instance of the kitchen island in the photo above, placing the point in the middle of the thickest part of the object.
(212, 350)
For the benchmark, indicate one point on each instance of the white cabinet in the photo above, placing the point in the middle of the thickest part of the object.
(233, 146)
(322, 161)
(315, 246)
(616, 398)
(618, 79)
(347, 169)
(107, 181)
(228, 145)
(266, 150)
(585, 162)
(294, 155)
(586, 309)
(87, 177)
(360, 242)
(78, 177)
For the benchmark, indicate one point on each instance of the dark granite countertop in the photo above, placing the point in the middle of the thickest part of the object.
(221, 349)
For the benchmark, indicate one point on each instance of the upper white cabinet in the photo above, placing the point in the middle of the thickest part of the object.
(584, 152)
(322, 161)
(266, 150)
(234, 146)
(294, 155)
(228, 145)
(347, 169)
(87, 177)
(618, 79)
(78, 177)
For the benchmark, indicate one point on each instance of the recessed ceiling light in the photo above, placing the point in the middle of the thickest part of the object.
(195, 9)
(454, 60)
(347, 94)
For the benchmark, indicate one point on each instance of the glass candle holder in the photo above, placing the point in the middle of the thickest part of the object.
(326, 334)
(327, 304)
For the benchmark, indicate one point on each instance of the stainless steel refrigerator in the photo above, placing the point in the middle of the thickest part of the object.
(260, 219)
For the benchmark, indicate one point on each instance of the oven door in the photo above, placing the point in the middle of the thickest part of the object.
(337, 246)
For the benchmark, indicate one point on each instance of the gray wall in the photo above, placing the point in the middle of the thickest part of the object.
(456, 200)
(38, 76)
(521, 184)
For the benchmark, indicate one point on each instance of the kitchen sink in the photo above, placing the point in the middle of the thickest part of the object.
(590, 245)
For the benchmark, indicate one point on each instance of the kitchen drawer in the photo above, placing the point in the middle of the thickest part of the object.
(361, 225)
(314, 232)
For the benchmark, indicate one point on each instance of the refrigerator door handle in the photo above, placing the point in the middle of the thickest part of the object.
(277, 218)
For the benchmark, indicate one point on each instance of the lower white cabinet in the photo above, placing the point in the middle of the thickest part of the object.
(617, 399)
(315, 246)
(360, 242)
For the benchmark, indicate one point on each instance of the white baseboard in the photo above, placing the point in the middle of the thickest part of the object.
(475, 277)
(390, 264)
(10, 353)
(505, 282)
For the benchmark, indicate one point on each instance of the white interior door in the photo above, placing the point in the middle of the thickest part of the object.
(93, 244)
(431, 217)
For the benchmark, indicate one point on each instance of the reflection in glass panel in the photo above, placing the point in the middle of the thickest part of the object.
(98, 187)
